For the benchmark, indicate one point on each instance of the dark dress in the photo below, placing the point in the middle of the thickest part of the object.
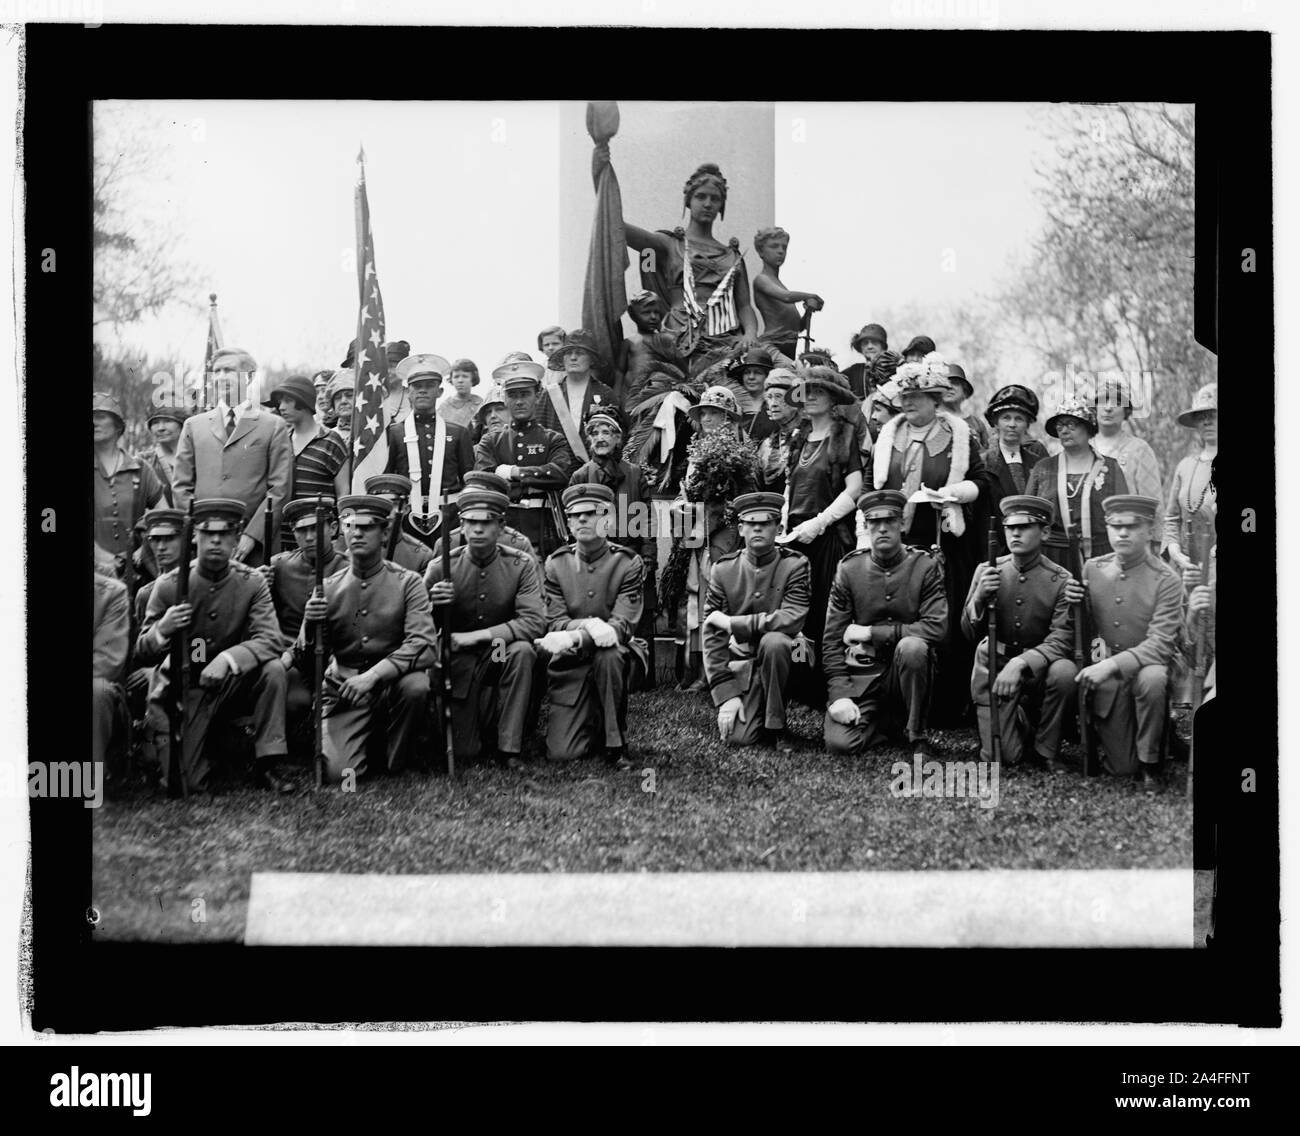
(816, 475)
(950, 693)
(1001, 482)
(1043, 483)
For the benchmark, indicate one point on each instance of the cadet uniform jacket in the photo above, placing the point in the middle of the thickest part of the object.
(233, 614)
(381, 615)
(292, 581)
(606, 585)
(543, 457)
(411, 554)
(771, 595)
(1034, 619)
(458, 458)
(903, 596)
(111, 628)
(501, 595)
(1137, 616)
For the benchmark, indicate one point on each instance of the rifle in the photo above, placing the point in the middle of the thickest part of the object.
(1081, 660)
(396, 535)
(449, 736)
(995, 723)
(180, 668)
(807, 329)
(318, 643)
(1200, 555)
(268, 523)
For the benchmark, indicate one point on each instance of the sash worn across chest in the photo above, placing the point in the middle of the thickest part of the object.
(420, 511)
(565, 415)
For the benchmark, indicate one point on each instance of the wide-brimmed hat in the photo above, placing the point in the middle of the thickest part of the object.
(922, 343)
(754, 357)
(929, 376)
(580, 339)
(957, 376)
(1012, 397)
(109, 405)
(298, 387)
(1073, 408)
(1207, 398)
(829, 380)
(492, 396)
(870, 331)
(720, 399)
(888, 396)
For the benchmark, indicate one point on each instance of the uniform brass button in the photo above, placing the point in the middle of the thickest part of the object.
(365, 638)
(362, 611)
(1117, 623)
(482, 596)
(1119, 599)
(1017, 623)
(1122, 576)
(1021, 579)
(1020, 601)
(590, 593)
(889, 596)
(212, 615)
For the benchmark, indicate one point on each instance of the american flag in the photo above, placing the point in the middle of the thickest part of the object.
(369, 439)
(214, 345)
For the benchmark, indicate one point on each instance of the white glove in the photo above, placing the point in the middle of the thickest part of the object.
(509, 472)
(729, 713)
(602, 634)
(804, 533)
(719, 619)
(963, 492)
(844, 711)
(856, 633)
(555, 642)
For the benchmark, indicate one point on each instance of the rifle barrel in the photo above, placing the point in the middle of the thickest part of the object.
(995, 724)
(449, 733)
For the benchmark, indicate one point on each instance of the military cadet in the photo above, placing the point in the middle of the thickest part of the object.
(593, 601)
(756, 604)
(162, 534)
(535, 461)
(111, 643)
(1034, 674)
(440, 451)
(291, 576)
(407, 551)
(1135, 603)
(233, 650)
(510, 538)
(493, 605)
(379, 632)
(886, 617)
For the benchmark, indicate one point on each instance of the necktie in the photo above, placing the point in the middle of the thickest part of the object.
(230, 423)
(1017, 475)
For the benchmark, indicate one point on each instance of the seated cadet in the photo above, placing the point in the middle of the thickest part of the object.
(292, 579)
(493, 606)
(402, 548)
(162, 534)
(111, 642)
(886, 617)
(511, 538)
(756, 604)
(535, 461)
(234, 646)
(593, 601)
(1135, 605)
(433, 453)
(379, 633)
(1034, 674)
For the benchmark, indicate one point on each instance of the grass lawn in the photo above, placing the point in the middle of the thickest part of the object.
(691, 805)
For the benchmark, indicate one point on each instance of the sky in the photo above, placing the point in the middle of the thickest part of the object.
(888, 204)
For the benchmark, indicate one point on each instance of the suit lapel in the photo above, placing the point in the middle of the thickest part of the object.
(242, 427)
(218, 427)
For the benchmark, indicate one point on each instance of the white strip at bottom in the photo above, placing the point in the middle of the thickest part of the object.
(1140, 908)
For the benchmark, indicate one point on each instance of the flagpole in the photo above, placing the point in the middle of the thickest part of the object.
(359, 216)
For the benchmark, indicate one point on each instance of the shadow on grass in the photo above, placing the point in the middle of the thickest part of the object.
(179, 871)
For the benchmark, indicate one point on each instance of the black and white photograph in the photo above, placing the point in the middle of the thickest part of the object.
(617, 519)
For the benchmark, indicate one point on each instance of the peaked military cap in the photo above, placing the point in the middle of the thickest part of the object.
(1024, 509)
(365, 504)
(486, 479)
(759, 506)
(518, 373)
(483, 505)
(389, 483)
(1123, 505)
(416, 367)
(587, 494)
(162, 522)
(304, 509)
(218, 514)
(882, 504)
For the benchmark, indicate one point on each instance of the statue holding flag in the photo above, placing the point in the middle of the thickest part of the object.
(703, 280)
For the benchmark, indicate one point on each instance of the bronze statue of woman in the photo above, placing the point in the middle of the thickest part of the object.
(703, 281)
